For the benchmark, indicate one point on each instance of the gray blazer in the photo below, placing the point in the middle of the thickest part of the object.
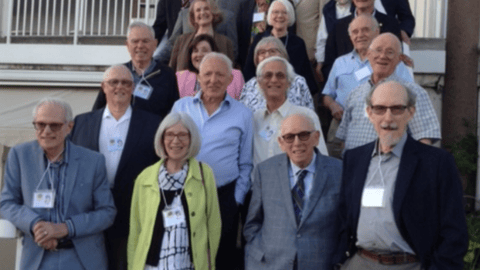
(273, 238)
(87, 199)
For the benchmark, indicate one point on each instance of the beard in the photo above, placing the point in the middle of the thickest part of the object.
(390, 140)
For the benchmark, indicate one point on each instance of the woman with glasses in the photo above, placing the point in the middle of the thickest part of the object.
(175, 217)
(298, 91)
(280, 16)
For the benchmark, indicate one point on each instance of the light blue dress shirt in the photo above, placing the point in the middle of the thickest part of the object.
(293, 171)
(343, 79)
(227, 137)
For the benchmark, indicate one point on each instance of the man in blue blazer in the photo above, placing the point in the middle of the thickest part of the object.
(57, 194)
(401, 200)
(125, 137)
(291, 222)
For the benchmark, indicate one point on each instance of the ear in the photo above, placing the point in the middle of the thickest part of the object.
(281, 143)
(316, 137)
(69, 126)
(411, 112)
(230, 79)
(102, 87)
(369, 112)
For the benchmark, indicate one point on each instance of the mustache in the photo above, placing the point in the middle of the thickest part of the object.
(389, 126)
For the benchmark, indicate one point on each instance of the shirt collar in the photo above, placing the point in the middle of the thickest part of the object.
(391, 77)
(147, 71)
(282, 110)
(198, 98)
(65, 154)
(309, 168)
(355, 12)
(127, 115)
(396, 151)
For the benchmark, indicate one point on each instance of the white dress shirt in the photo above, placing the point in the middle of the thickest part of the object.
(112, 138)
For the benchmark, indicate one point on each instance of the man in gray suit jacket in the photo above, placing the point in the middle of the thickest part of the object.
(57, 194)
(291, 222)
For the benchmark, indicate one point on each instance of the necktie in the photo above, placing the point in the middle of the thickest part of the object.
(298, 193)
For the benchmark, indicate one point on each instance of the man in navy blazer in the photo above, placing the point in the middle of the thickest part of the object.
(401, 200)
(292, 219)
(125, 137)
(57, 194)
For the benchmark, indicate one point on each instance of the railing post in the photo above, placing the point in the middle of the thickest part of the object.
(75, 27)
(7, 13)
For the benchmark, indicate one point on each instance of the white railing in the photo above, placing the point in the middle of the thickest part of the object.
(101, 18)
(76, 18)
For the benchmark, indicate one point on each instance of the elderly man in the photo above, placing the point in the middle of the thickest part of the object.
(155, 84)
(291, 222)
(401, 200)
(355, 128)
(57, 194)
(226, 127)
(125, 137)
(338, 41)
(275, 75)
(353, 69)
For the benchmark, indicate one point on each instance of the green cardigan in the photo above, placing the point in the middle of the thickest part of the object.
(204, 215)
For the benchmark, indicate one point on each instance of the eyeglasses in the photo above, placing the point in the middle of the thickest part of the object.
(269, 75)
(271, 51)
(182, 136)
(395, 110)
(40, 126)
(115, 82)
(390, 53)
(302, 136)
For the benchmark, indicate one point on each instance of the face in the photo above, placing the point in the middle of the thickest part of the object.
(279, 17)
(343, 2)
(202, 48)
(202, 13)
(299, 152)
(51, 141)
(274, 81)
(176, 141)
(384, 55)
(262, 5)
(118, 86)
(141, 44)
(364, 3)
(267, 51)
(361, 33)
(214, 78)
(390, 128)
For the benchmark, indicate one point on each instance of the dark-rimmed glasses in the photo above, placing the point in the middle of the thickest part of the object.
(302, 136)
(269, 75)
(40, 126)
(395, 109)
(182, 136)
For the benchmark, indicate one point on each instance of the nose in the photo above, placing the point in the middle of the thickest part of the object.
(388, 115)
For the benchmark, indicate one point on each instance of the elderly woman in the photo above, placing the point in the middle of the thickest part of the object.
(275, 75)
(175, 217)
(188, 84)
(280, 16)
(298, 92)
(204, 15)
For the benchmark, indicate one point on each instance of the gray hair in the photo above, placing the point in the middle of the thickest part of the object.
(290, 11)
(411, 96)
(398, 44)
(140, 24)
(270, 40)
(288, 68)
(117, 66)
(172, 119)
(309, 119)
(220, 56)
(373, 23)
(67, 109)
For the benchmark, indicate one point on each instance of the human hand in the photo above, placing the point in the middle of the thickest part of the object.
(318, 70)
(45, 231)
(50, 244)
(407, 60)
(405, 37)
(337, 110)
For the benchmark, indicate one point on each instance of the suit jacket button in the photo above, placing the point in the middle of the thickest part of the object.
(347, 253)
(299, 235)
(193, 214)
(190, 194)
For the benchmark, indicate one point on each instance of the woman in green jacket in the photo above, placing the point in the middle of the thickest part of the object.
(175, 218)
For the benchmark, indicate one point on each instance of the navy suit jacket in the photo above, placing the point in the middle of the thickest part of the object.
(400, 9)
(339, 43)
(87, 199)
(273, 237)
(427, 203)
(137, 154)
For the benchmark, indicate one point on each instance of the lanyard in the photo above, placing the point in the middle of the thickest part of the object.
(49, 175)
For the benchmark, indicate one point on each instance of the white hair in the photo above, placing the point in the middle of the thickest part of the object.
(220, 56)
(67, 109)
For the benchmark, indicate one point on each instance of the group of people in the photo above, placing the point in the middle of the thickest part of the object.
(174, 159)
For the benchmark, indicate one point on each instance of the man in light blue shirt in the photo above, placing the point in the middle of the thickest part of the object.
(226, 127)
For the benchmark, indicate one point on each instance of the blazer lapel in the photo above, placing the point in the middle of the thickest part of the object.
(134, 133)
(281, 175)
(359, 180)
(71, 176)
(408, 163)
(95, 131)
(318, 186)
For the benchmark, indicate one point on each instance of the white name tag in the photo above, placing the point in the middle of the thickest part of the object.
(373, 197)
(115, 144)
(362, 73)
(142, 91)
(173, 215)
(258, 17)
(44, 199)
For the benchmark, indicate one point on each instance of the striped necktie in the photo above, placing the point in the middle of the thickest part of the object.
(298, 193)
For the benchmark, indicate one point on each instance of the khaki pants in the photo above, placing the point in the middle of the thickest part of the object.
(334, 145)
(359, 262)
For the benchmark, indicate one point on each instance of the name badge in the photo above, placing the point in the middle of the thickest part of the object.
(258, 17)
(173, 215)
(362, 73)
(266, 133)
(115, 144)
(373, 197)
(142, 91)
(44, 199)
